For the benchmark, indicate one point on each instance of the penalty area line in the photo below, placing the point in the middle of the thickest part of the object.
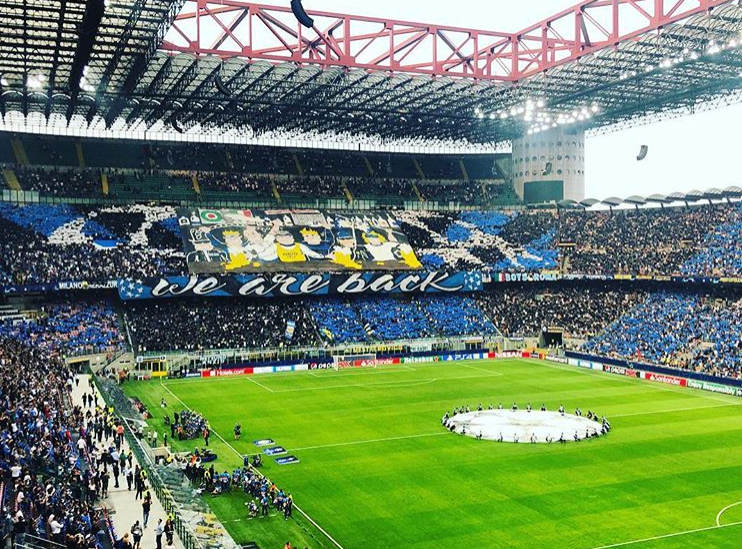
(249, 378)
(665, 536)
(234, 450)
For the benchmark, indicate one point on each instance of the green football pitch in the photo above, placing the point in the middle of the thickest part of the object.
(378, 470)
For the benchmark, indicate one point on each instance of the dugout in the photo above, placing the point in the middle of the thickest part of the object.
(152, 366)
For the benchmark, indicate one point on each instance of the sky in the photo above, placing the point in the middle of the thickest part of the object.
(692, 152)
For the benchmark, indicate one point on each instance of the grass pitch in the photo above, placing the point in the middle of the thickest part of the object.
(378, 471)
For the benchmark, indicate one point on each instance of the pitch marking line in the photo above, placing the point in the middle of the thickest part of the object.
(490, 372)
(250, 378)
(718, 517)
(354, 443)
(220, 437)
(386, 384)
(674, 535)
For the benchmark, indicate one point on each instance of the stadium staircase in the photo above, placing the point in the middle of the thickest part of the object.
(12, 180)
(19, 152)
(418, 194)
(230, 162)
(369, 167)
(274, 191)
(194, 183)
(299, 168)
(104, 184)
(418, 168)
(464, 172)
(347, 193)
(80, 155)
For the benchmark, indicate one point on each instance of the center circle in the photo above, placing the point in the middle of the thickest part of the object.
(526, 427)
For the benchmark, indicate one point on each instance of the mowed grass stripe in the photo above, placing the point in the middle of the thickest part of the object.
(668, 465)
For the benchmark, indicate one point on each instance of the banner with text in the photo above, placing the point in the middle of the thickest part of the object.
(288, 285)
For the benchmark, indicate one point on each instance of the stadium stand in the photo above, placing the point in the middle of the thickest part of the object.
(679, 328)
(519, 254)
(652, 241)
(157, 172)
(197, 325)
(582, 310)
(261, 324)
(47, 472)
(69, 327)
(48, 243)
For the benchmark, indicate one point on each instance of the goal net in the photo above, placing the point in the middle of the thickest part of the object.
(354, 361)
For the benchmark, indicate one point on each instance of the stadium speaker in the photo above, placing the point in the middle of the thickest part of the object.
(301, 15)
(221, 86)
(547, 170)
(643, 153)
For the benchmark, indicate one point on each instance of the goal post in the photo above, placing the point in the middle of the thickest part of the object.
(340, 362)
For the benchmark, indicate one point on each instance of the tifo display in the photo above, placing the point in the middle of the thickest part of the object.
(253, 240)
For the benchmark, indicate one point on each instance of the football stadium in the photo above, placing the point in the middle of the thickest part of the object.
(293, 276)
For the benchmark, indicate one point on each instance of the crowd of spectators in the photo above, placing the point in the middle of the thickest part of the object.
(363, 319)
(390, 189)
(474, 241)
(679, 328)
(60, 182)
(193, 325)
(644, 242)
(68, 327)
(463, 192)
(45, 243)
(236, 183)
(311, 187)
(581, 310)
(721, 252)
(52, 474)
(50, 243)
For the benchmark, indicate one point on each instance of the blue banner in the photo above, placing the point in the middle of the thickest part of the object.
(287, 285)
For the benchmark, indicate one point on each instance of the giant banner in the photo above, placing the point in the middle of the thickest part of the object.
(286, 285)
(253, 241)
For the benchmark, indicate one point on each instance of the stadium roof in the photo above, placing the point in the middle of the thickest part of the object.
(251, 69)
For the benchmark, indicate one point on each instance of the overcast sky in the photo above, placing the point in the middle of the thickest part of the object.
(695, 152)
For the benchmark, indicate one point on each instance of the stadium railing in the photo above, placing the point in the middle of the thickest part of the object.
(114, 397)
(217, 356)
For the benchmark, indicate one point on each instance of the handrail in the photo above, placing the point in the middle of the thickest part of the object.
(119, 402)
(314, 352)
